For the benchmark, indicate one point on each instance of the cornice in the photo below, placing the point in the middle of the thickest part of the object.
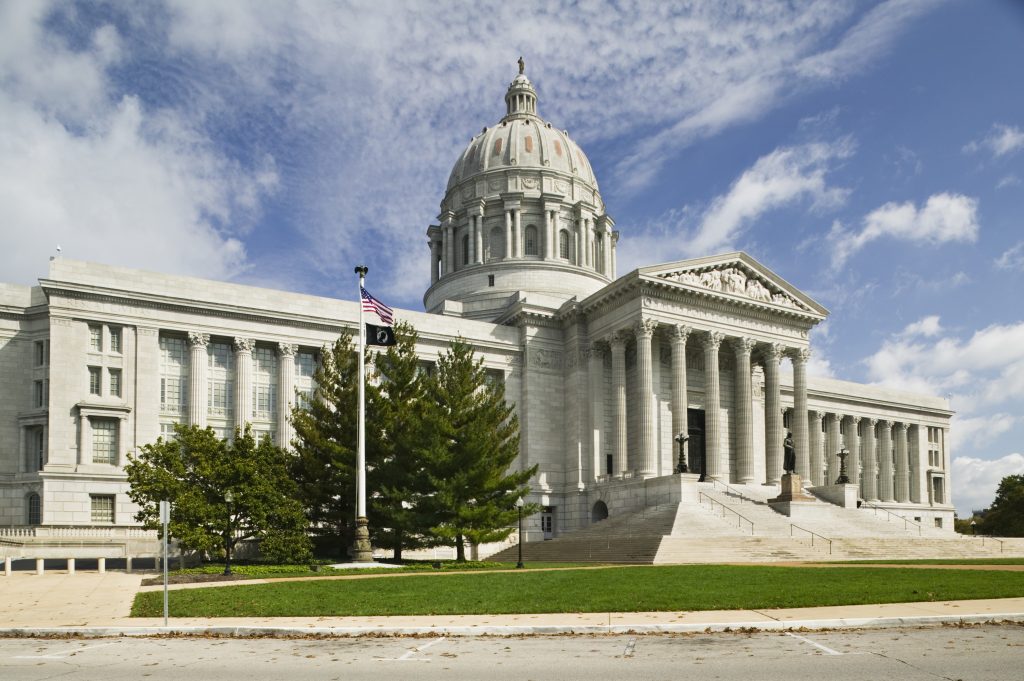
(205, 309)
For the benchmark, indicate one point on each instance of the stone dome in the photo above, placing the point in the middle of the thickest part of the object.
(523, 141)
(521, 219)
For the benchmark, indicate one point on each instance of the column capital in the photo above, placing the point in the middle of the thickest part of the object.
(900, 425)
(645, 328)
(819, 415)
(196, 339)
(286, 349)
(773, 352)
(799, 355)
(743, 346)
(243, 344)
(885, 423)
(713, 339)
(872, 422)
(617, 340)
(679, 332)
(832, 416)
(855, 420)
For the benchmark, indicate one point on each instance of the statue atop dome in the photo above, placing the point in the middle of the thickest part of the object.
(522, 65)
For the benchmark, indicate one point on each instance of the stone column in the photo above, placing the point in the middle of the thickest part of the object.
(556, 229)
(916, 477)
(615, 262)
(449, 231)
(712, 429)
(479, 238)
(517, 236)
(853, 445)
(471, 239)
(644, 330)
(285, 393)
(595, 374)
(817, 462)
(800, 438)
(243, 381)
(434, 247)
(680, 423)
(197, 387)
(832, 447)
(588, 227)
(870, 459)
(902, 464)
(618, 347)
(772, 415)
(550, 246)
(508, 233)
(885, 490)
(744, 411)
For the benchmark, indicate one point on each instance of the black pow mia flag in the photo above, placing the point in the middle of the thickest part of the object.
(380, 335)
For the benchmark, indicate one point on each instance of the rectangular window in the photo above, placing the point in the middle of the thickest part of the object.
(115, 338)
(494, 377)
(173, 375)
(104, 440)
(264, 383)
(96, 338)
(938, 522)
(39, 396)
(305, 367)
(220, 379)
(115, 382)
(94, 380)
(102, 508)
(41, 353)
(35, 453)
(167, 431)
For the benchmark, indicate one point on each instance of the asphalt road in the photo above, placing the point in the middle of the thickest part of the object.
(979, 653)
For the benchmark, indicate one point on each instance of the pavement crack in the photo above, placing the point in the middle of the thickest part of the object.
(914, 666)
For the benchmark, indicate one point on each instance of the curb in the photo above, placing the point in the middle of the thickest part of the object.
(511, 630)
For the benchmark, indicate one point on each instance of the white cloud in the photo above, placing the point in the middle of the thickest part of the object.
(975, 480)
(1010, 180)
(1001, 140)
(782, 177)
(1012, 258)
(984, 374)
(943, 218)
(102, 176)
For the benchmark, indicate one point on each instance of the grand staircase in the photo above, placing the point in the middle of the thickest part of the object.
(736, 524)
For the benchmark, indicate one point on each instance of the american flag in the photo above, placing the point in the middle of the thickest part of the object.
(371, 304)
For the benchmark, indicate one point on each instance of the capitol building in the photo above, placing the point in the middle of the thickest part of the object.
(617, 378)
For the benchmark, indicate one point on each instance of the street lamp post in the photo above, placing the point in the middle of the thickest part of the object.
(843, 479)
(681, 466)
(974, 524)
(229, 498)
(519, 506)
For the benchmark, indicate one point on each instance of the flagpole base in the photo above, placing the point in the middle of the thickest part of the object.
(361, 550)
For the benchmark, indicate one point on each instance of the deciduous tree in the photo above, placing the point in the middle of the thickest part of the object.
(1005, 518)
(195, 469)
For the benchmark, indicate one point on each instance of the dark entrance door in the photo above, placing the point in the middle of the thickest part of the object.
(695, 421)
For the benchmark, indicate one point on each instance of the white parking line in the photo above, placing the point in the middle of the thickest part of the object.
(63, 655)
(824, 649)
(408, 656)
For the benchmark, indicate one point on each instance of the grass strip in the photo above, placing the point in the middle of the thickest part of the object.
(938, 561)
(625, 589)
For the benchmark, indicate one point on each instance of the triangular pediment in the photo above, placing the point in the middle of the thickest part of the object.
(735, 275)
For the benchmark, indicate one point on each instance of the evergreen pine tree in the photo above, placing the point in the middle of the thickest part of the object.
(398, 483)
(325, 445)
(472, 438)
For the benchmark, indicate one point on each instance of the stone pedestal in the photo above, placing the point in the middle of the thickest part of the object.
(791, 490)
(791, 500)
(361, 550)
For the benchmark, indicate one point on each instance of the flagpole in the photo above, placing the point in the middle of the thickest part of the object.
(361, 550)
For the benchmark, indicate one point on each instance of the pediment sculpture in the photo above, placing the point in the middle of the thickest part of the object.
(733, 280)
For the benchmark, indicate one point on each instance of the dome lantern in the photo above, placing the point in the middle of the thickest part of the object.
(521, 98)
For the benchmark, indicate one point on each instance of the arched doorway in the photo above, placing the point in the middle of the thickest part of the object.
(599, 512)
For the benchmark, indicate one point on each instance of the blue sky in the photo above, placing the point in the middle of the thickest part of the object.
(870, 153)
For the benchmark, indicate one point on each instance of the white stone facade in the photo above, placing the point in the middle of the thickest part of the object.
(604, 372)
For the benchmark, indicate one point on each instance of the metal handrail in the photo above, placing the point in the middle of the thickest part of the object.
(733, 490)
(983, 537)
(739, 517)
(906, 520)
(813, 535)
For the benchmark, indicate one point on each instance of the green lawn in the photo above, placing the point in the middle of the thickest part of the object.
(621, 589)
(940, 561)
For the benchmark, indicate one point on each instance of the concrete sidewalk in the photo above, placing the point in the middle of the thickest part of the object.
(92, 604)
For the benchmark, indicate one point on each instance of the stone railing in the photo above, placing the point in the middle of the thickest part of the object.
(73, 532)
